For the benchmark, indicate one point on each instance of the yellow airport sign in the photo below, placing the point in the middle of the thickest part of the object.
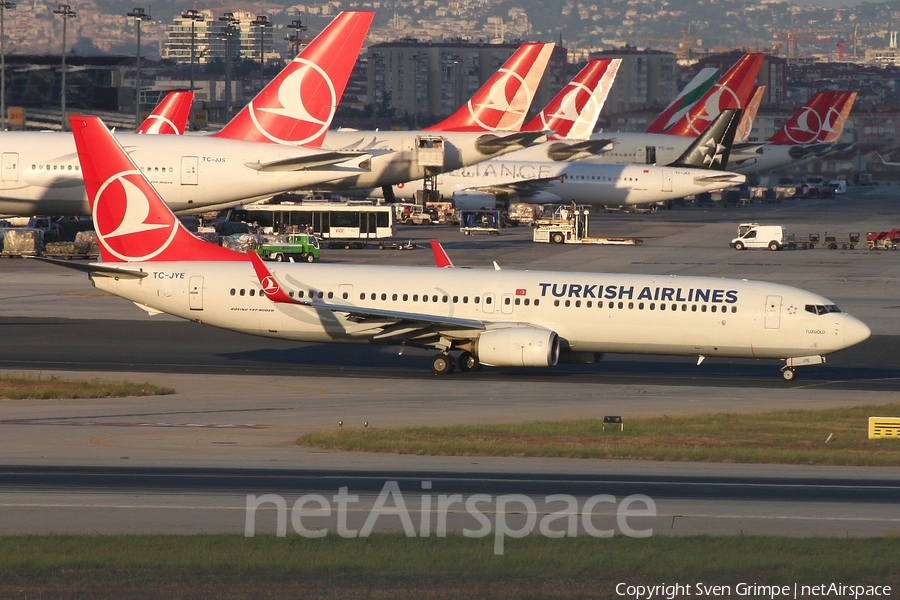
(884, 427)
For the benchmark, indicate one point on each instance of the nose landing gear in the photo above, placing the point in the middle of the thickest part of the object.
(788, 373)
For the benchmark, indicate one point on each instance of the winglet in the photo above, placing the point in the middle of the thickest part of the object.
(441, 259)
(573, 113)
(270, 286)
(132, 221)
(297, 107)
(502, 103)
(170, 116)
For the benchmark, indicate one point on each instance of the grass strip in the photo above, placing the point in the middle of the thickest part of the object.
(787, 437)
(29, 387)
(395, 555)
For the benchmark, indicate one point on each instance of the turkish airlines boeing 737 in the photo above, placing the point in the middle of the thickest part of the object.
(500, 318)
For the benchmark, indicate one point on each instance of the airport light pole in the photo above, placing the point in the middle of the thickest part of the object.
(193, 15)
(4, 6)
(295, 39)
(261, 23)
(66, 12)
(230, 26)
(139, 15)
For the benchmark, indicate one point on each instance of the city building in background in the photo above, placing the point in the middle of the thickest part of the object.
(430, 80)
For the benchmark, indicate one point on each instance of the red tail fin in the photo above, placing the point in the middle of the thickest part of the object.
(133, 223)
(749, 114)
(267, 281)
(502, 103)
(170, 116)
(805, 126)
(298, 105)
(732, 90)
(573, 113)
(441, 259)
(835, 117)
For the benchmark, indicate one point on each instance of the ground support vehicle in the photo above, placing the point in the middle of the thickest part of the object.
(794, 241)
(850, 242)
(567, 226)
(479, 221)
(416, 214)
(754, 235)
(296, 247)
(883, 240)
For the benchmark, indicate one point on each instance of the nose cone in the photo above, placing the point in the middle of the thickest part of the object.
(855, 331)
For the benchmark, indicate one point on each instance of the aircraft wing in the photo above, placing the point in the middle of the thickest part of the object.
(396, 325)
(94, 268)
(326, 160)
(525, 188)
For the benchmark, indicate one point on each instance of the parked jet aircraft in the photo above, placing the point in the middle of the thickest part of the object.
(170, 116)
(500, 318)
(39, 171)
(586, 182)
(288, 115)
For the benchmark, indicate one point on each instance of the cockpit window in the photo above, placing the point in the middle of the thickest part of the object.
(822, 309)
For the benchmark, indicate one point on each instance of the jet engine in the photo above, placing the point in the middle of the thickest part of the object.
(518, 347)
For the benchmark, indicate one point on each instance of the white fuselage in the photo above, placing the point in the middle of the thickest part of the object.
(590, 312)
(583, 183)
(406, 160)
(662, 149)
(40, 173)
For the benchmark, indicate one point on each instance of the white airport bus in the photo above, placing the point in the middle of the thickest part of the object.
(329, 221)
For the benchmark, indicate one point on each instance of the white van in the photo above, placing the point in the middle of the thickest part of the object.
(840, 186)
(754, 235)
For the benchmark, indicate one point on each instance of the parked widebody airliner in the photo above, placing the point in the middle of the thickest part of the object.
(594, 184)
(498, 318)
(40, 174)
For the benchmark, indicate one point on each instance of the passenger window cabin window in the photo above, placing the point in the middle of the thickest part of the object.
(518, 301)
(556, 303)
(405, 297)
(373, 296)
(321, 294)
(587, 304)
(252, 292)
(662, 306)
(291, 293)
(394, 297)
(232, 291)
(734, 309)
(703, 308)
(383, 297)
(652, 306)
(713, 308)
(536, 302)
(434, 298)
(640, 306)
(489, 300)
(475, 299)
(630, 305)
(568, 303)
(621, 304)
(465, 299)
(455, 299)
(345, 295)
(415, 297)
(693, 308)
(300, 294)
(242, 292)
(362, 296)
(330, 295)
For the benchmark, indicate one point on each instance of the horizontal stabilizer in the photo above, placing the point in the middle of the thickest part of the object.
(491, 143)
(561, 151)
(733, 177)
(94, 268)
(311, 162)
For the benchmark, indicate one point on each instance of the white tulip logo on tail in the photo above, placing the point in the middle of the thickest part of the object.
(291, 117)
(722, 98)
(807, 128)
(121, 213)
(161, 125)
(270, 285)
(832, 126)
(506, 105)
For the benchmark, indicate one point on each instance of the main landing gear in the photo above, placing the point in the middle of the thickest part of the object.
(789, 373)
(443, 363)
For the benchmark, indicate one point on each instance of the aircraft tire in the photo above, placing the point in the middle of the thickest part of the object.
(441, 364)
(789, 374)
(468, 362)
